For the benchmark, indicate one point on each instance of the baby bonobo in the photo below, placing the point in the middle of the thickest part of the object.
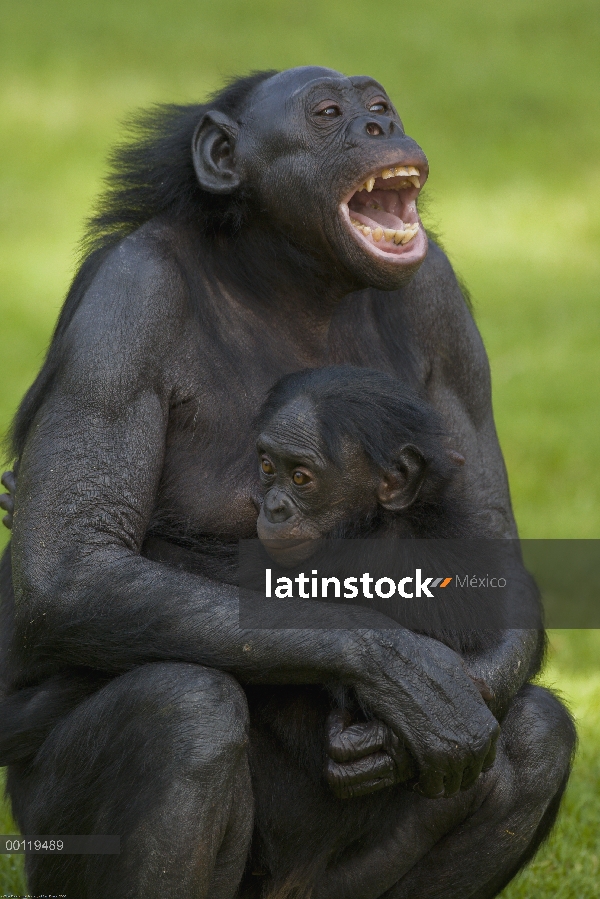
(351, 452)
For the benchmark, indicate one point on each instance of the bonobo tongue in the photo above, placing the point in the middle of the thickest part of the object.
(381, 207)
(383, 210)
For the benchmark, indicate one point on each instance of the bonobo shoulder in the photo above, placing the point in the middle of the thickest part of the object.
(437, 280)
(132, 317)
(443, 312)
(440, 314)
(140, 283)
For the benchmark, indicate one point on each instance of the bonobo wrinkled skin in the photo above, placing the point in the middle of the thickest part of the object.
(271, 230)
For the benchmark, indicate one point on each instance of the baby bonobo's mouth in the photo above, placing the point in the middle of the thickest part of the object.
(383, 212)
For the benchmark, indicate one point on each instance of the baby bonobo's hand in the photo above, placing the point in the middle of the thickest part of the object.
(364, 756)
(7, 500)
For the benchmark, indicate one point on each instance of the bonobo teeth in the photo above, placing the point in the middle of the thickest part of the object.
(409, 172)
(364, 228)
(399, 236)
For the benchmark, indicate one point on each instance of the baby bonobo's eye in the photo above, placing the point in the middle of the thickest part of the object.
(300, 477)
(266, 466)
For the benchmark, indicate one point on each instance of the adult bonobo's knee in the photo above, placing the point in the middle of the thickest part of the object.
(537, 747)
(540, 740)
(203, 708)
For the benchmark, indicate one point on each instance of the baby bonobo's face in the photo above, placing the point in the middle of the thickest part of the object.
(306, 495)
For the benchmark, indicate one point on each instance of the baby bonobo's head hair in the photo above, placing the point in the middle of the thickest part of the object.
(366, 407)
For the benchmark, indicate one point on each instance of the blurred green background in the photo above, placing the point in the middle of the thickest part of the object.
(504, 98)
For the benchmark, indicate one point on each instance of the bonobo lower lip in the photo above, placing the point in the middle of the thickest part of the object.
(382, 214)
(289, 553)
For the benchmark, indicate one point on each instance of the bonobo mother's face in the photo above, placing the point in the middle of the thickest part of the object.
(328, 162)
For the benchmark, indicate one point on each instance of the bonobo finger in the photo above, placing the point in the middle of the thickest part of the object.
(452, 783)
(491, 756)
(8, 480)
(431, 784)
(348, 743)
(470, 775)
(351, 791)
(7, 503)
(474, 769)
(358, 778)
(371, 766)
(487, 694)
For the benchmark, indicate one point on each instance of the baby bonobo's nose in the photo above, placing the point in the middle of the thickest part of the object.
(278, 506)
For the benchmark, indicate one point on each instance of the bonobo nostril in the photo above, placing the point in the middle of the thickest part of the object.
(373, 129)
(277, 506)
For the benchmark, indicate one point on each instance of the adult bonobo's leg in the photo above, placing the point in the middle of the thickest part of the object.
(470, 846)
(158, 757)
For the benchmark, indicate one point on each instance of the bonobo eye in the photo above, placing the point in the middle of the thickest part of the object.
(379, 106)
(329, 109)
(300, 477)
(266, 466)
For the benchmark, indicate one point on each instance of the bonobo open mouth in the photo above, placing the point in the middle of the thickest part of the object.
(382, 213)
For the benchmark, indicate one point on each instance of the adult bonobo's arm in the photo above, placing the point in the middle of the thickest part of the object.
(87, 484)
(459, 385)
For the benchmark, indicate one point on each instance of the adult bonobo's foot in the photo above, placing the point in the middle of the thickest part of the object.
(7, 500)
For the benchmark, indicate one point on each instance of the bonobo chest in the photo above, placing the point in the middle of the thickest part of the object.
(210, 481)
(210, 478)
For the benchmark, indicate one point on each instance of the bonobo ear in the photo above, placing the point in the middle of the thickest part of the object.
(213, 148)
(400, 485)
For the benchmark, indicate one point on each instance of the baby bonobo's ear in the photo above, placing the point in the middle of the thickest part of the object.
(399, 486)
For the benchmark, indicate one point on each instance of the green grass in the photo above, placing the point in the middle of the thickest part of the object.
(503, 98)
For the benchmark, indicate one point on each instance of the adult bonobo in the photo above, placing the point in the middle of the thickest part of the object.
(223, 257)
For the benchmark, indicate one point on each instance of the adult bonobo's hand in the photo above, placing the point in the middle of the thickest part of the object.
(425, 695)
(364, 756)
(7, 500)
